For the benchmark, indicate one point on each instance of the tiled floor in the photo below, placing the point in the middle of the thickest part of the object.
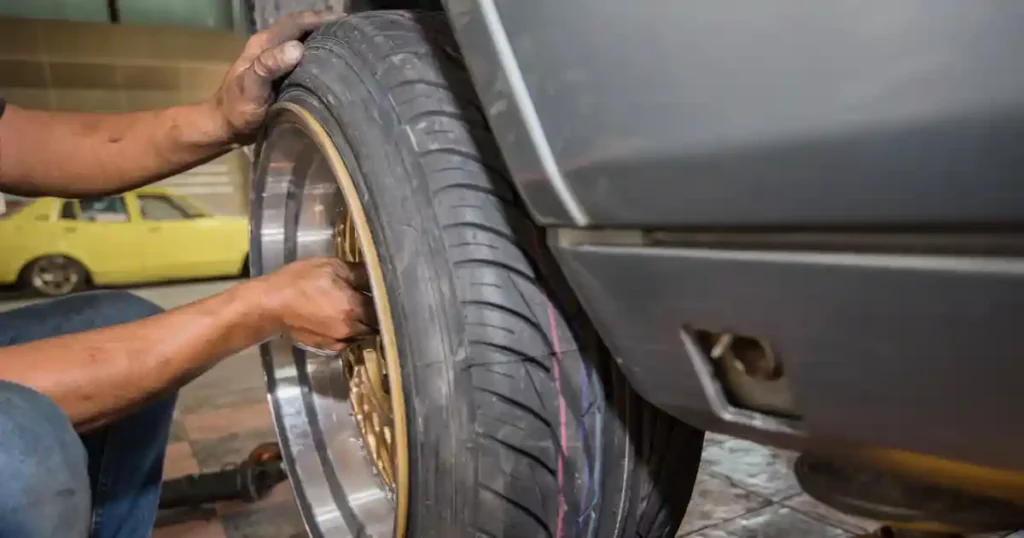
(744, 490)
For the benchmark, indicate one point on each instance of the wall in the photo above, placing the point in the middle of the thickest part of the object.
(101, 67)
(215, 14)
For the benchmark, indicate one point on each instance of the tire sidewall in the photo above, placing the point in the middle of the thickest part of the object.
(418, 277)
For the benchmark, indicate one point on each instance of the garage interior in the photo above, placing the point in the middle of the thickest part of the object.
(128, 55)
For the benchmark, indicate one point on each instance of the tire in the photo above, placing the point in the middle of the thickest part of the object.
(520, 424)
(75, 271)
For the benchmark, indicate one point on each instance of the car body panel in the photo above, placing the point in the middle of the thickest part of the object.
(917, 353)
(134, 251)
(725, 116)
(773, 113)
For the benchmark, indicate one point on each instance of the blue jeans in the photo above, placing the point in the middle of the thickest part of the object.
(55, 483)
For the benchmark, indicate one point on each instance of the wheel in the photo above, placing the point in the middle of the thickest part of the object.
(487, 406)
(54, 276)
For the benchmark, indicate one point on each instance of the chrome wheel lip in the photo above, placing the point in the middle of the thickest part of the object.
(292, 215)
(53, 277)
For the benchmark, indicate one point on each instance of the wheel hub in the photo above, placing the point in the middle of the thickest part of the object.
(341, 422)
(53, 276)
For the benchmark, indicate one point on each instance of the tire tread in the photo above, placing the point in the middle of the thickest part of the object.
(537, 371)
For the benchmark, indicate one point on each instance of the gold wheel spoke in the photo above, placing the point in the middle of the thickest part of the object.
(366, 368)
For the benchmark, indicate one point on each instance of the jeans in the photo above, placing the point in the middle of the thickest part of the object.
(55, 483)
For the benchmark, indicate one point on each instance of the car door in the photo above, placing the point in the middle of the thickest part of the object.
(101, 232)
(180, 245)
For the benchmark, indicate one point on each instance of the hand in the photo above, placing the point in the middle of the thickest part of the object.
(320, 302)
(247, 91)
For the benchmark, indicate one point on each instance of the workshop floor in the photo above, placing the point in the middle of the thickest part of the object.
(744, 490)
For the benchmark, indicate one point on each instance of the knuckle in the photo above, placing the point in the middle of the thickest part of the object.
(260, 67)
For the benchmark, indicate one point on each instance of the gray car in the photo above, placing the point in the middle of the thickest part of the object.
(596, 230)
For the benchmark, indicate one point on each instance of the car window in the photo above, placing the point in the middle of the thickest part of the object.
(10, 205)
(155, 207)
(67, 211)
(106, 209)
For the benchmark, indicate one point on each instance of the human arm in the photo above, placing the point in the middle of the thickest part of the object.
(74, 155)
(98, 376)
(91, 154)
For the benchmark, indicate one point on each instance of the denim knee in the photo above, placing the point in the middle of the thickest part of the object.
(44, 480)
(113, 307)
(72, 314)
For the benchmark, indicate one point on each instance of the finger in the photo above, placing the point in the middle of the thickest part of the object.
(368, 311)
(275, 62)
(293, 26)
(255, 81)
(314, 343)
(354, 274)
(352, 335)
(356, 317)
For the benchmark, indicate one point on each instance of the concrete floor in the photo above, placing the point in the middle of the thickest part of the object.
(744, 490)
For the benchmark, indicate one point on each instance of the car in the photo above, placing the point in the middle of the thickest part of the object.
(596, 230)
(55, 247)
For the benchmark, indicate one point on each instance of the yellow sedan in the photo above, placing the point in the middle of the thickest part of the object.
(56, 246)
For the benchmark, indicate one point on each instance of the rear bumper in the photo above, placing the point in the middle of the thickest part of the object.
(914, 353)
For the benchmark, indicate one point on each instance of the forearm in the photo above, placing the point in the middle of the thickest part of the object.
(98, 376)
(84, 154)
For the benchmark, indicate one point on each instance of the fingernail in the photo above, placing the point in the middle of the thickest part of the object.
(293, 52)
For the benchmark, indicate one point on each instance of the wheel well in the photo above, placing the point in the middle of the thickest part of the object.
(262, 13)
(24, 268)
(370, 5)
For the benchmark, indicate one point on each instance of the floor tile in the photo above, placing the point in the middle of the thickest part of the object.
(214, 454)
(806, 505)
(779, 522)
(192, 529)
(281, 495)
(279, 522)
(715, 500)
(757, 468)
(177, 431)
(210, 397)
(236, 380)
(179, 461)
(709, 441)
(707, 533)
(215, 423)
(715, 438)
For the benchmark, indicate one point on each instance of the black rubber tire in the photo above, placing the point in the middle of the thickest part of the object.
(520, 424)
(25, 276)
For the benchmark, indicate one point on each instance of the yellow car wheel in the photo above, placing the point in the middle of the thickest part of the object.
(488, 406)
(54, 276)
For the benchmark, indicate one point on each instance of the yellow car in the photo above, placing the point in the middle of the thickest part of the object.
(57, 246)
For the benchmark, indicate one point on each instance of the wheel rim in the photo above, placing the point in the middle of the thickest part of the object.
(341, 422)
(54, 276)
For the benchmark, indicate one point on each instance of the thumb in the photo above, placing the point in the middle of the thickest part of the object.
(268, 66)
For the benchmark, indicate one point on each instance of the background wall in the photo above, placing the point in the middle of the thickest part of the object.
(95, 66)
(214, 14)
